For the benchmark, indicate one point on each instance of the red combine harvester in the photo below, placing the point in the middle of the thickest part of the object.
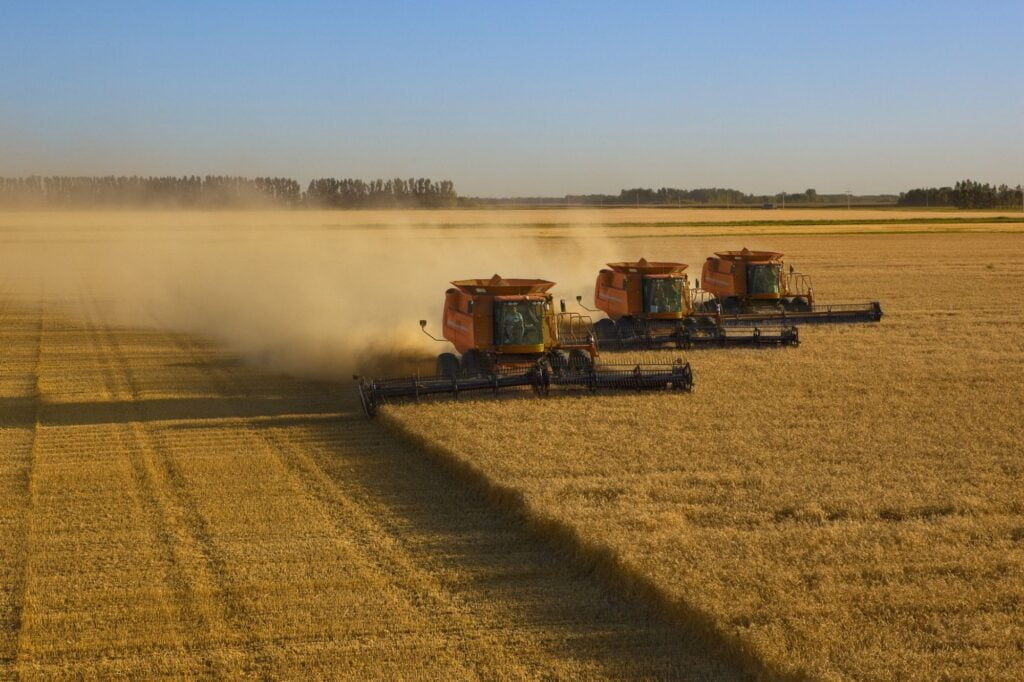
(649, 305)
(507, 334)
(754, 286)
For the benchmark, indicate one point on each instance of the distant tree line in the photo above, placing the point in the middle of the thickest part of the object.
(718, 196)
(219, 191)
(965, 194)
(348, 193)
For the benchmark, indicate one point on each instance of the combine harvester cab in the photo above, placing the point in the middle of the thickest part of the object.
(508, 335)
(754, 286)
(650, 305)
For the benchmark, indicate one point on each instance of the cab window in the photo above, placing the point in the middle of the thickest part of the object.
(519, 323)
(763, 279)
(663, 295)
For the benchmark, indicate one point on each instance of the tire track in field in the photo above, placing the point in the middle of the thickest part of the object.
(347, 516)
(375, 547)
(261, 651)
(109, 637)
(360, 509)
(17, 469)
(210, 622)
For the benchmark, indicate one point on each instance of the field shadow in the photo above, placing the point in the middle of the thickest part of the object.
(484, 555)
(509, 562)
(18, 412)
(506, 579)
(169, 409)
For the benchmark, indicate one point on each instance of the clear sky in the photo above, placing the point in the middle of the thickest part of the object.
(520, 98)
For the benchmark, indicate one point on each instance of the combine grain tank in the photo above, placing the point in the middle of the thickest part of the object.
(754, 286)
(507, 334)
(650, 305)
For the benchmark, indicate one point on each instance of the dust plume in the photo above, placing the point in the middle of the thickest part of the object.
(309, 301)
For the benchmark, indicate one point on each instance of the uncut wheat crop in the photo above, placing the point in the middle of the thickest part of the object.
(850, 508)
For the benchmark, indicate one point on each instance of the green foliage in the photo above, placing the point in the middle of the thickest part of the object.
(714, 196)
(219, 191)
(964, 194)
(396, 193)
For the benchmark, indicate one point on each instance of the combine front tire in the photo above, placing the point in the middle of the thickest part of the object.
(604, 330)
(558, 361)
(579, 361)
(474, 363)
(627, 328)
(447, 365)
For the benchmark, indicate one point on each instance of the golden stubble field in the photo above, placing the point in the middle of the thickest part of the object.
(173, 503)
(850, 508)
(168, 511)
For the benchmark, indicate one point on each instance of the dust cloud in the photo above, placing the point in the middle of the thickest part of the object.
(314, 302)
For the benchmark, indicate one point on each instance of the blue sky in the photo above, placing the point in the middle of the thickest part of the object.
(520, 98)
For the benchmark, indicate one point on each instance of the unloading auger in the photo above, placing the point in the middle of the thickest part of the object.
(508, 335)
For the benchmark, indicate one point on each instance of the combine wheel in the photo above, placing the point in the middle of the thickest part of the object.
(800, 305)
(368, 398)
(558, 361)
(626, 327)
(447, 365)
(580, 361)
(604, 330)
(785, 304)
(730, 305)
(474, 363)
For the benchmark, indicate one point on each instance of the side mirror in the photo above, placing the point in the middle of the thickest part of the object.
(561, 303)
(696, 283)
(579, 299)
(423, 326)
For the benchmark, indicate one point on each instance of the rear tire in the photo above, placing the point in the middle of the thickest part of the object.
(447, 365)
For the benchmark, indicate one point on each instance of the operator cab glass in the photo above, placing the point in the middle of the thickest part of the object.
(663, 295)
(764, 279)
(519, 323)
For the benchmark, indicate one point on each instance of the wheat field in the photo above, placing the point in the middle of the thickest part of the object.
(847, 509)
(189, 488)
(169, 511)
